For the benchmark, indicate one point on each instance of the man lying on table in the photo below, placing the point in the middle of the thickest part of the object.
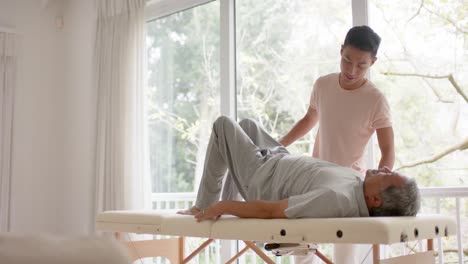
(276, 184)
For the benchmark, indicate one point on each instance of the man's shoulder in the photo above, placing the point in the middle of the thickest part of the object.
(328, 79)
(373, 91)
(324, 83)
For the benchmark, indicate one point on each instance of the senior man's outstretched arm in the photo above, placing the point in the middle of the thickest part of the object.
(248, 209)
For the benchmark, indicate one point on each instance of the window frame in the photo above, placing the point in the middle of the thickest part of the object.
(160, 8)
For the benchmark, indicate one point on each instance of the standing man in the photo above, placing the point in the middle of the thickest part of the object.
(349, 109)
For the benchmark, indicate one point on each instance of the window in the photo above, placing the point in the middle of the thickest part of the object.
(282, 47)
(421, 41)
(183, 79)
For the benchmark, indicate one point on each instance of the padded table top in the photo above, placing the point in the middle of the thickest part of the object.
(362, 230)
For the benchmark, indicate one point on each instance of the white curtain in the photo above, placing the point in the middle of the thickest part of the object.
(122, 165)
(7, 88)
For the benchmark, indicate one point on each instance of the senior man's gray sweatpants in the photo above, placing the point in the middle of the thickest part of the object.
(238, 148)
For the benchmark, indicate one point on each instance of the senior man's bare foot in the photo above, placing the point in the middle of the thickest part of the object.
(192, 211)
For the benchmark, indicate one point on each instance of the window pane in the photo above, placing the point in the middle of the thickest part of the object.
(420, 43)
(282, 47)
(183, 94)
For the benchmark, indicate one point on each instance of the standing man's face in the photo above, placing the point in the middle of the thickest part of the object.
(354, 66)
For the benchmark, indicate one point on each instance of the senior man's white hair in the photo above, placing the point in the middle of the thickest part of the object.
(402, 201)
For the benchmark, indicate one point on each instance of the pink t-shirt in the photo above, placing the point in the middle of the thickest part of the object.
(347, 120)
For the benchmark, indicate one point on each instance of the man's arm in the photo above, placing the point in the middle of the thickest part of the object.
(387, 148)
(249, 209)
(301, 128)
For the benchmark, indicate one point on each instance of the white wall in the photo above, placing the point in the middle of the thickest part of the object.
(52, 184)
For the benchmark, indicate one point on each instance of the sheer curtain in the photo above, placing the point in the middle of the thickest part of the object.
(122, 164)
(7, 88)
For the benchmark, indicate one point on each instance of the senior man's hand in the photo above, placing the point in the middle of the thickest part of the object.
(211, 212)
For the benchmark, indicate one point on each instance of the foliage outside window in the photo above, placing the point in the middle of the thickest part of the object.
(183, 94)
(421, 67)
(282, 48)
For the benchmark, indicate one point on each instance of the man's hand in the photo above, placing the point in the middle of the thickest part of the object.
(192, 211)
(249, 209)
(211, 212)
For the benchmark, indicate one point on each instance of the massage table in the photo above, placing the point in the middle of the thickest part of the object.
(365, 230)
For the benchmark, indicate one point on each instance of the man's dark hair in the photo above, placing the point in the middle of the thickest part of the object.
(363, 38)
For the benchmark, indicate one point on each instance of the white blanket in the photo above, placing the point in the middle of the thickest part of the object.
(49, 249)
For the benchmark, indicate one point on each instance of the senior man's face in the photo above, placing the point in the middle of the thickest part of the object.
(377, 181)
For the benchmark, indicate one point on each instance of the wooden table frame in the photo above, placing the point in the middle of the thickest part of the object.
(174, 250)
